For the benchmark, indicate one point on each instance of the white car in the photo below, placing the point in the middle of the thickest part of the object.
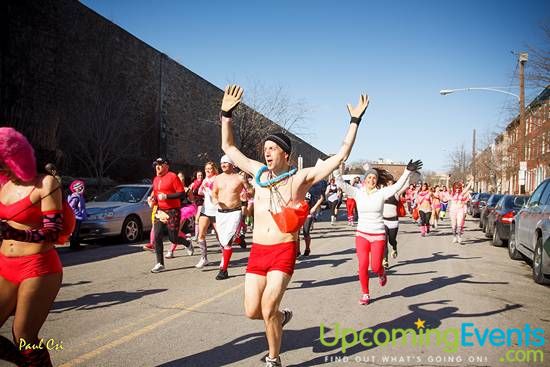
(122, 211)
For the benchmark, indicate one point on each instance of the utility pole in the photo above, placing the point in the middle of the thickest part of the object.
(474, 159)
(522, 141)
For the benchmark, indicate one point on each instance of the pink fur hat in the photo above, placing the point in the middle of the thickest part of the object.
(17, 154)
(76, 184)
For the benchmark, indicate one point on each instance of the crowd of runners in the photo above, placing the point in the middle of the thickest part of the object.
(275, 200)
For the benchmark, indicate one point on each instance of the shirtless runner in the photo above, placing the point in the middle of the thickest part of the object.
(279, 191)
(227, 195)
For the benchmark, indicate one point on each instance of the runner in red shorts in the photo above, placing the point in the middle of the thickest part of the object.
(280, 210)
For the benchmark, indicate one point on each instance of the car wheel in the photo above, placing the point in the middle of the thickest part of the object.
(497, 241)
(538, 274)
(512, 249)
(131, 229)
(488, 230)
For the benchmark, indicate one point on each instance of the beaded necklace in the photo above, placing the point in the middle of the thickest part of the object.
(275, 180)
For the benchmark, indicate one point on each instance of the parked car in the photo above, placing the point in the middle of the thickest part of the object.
(487, 209)
(122, 211)
(469, 203)
(498, 221)
(530, 233)
(478, 202)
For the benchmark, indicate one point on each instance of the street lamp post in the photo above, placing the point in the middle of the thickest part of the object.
(444, 92)
(522, 128)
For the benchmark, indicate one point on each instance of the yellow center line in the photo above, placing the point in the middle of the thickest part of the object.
(140, 320)
(96, 352)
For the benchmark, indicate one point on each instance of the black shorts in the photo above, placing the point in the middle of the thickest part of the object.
(212, 218)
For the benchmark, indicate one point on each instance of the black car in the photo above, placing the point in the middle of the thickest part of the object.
(478, 202)
(498, 221)
(487, 209)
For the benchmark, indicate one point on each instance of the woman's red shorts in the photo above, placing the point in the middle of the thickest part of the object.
(265, 258)
(16, 269)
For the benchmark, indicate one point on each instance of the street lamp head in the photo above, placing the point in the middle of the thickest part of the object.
(444, 92)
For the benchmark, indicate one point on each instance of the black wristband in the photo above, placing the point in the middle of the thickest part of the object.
(355, 120)
(228, 114)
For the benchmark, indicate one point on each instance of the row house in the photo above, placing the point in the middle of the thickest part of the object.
(504, 162)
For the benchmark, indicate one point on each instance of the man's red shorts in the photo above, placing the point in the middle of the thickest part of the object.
(265, 258)
(17, 269)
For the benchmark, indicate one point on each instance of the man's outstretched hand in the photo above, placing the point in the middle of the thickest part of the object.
(231, 99)
(414, 166)
(358, 111)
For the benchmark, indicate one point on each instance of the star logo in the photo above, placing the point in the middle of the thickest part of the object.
(420, 324)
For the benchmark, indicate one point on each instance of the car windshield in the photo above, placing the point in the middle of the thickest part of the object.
(494, 200)
(125, 194)
(483, 197)
(516, 202)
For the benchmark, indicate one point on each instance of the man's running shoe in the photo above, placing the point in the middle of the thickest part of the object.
(273, 362)
(385, 264)
(365, 299)
(169, 255)
(158, 268)
(222, 275)
(149, 247)
(202, 263)
(287, 316)
(190, 248)
(455, 239)
(382, 279)
(394, 254)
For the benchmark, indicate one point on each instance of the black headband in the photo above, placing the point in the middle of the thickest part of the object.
(281, 140)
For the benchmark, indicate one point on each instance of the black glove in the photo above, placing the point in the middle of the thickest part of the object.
(414, 166)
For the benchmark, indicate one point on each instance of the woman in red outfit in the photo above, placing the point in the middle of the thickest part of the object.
(30, 269)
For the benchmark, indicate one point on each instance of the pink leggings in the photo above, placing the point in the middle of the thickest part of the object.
(458, 215)
(369, 247)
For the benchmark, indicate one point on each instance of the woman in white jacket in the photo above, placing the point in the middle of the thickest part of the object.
(370, 238)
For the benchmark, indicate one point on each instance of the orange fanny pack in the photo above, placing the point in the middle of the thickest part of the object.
(292, 217)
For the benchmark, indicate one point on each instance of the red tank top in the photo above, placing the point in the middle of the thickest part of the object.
(23, 211)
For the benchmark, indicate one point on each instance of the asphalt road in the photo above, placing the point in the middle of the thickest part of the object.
(111, 311)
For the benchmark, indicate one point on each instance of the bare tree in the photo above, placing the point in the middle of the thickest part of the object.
(459, 164)
(262, 105)
(538, 74)
(109, 130)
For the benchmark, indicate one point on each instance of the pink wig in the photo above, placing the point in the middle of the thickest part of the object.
(17, 155)
(76, 184)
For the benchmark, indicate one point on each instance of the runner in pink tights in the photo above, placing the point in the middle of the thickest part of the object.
(457, 203)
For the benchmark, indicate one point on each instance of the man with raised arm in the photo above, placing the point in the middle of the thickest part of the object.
(278, 215)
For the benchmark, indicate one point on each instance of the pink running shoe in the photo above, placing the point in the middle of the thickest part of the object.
(149, 247)
(365, 299)
(383, 279)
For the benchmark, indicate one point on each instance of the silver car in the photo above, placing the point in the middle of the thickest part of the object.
(121, 211)
(530, 233)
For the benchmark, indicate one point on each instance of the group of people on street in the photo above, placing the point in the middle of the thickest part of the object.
(429, 205)
(281, 199)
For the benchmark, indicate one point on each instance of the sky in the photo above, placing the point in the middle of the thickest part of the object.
(324, 54)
